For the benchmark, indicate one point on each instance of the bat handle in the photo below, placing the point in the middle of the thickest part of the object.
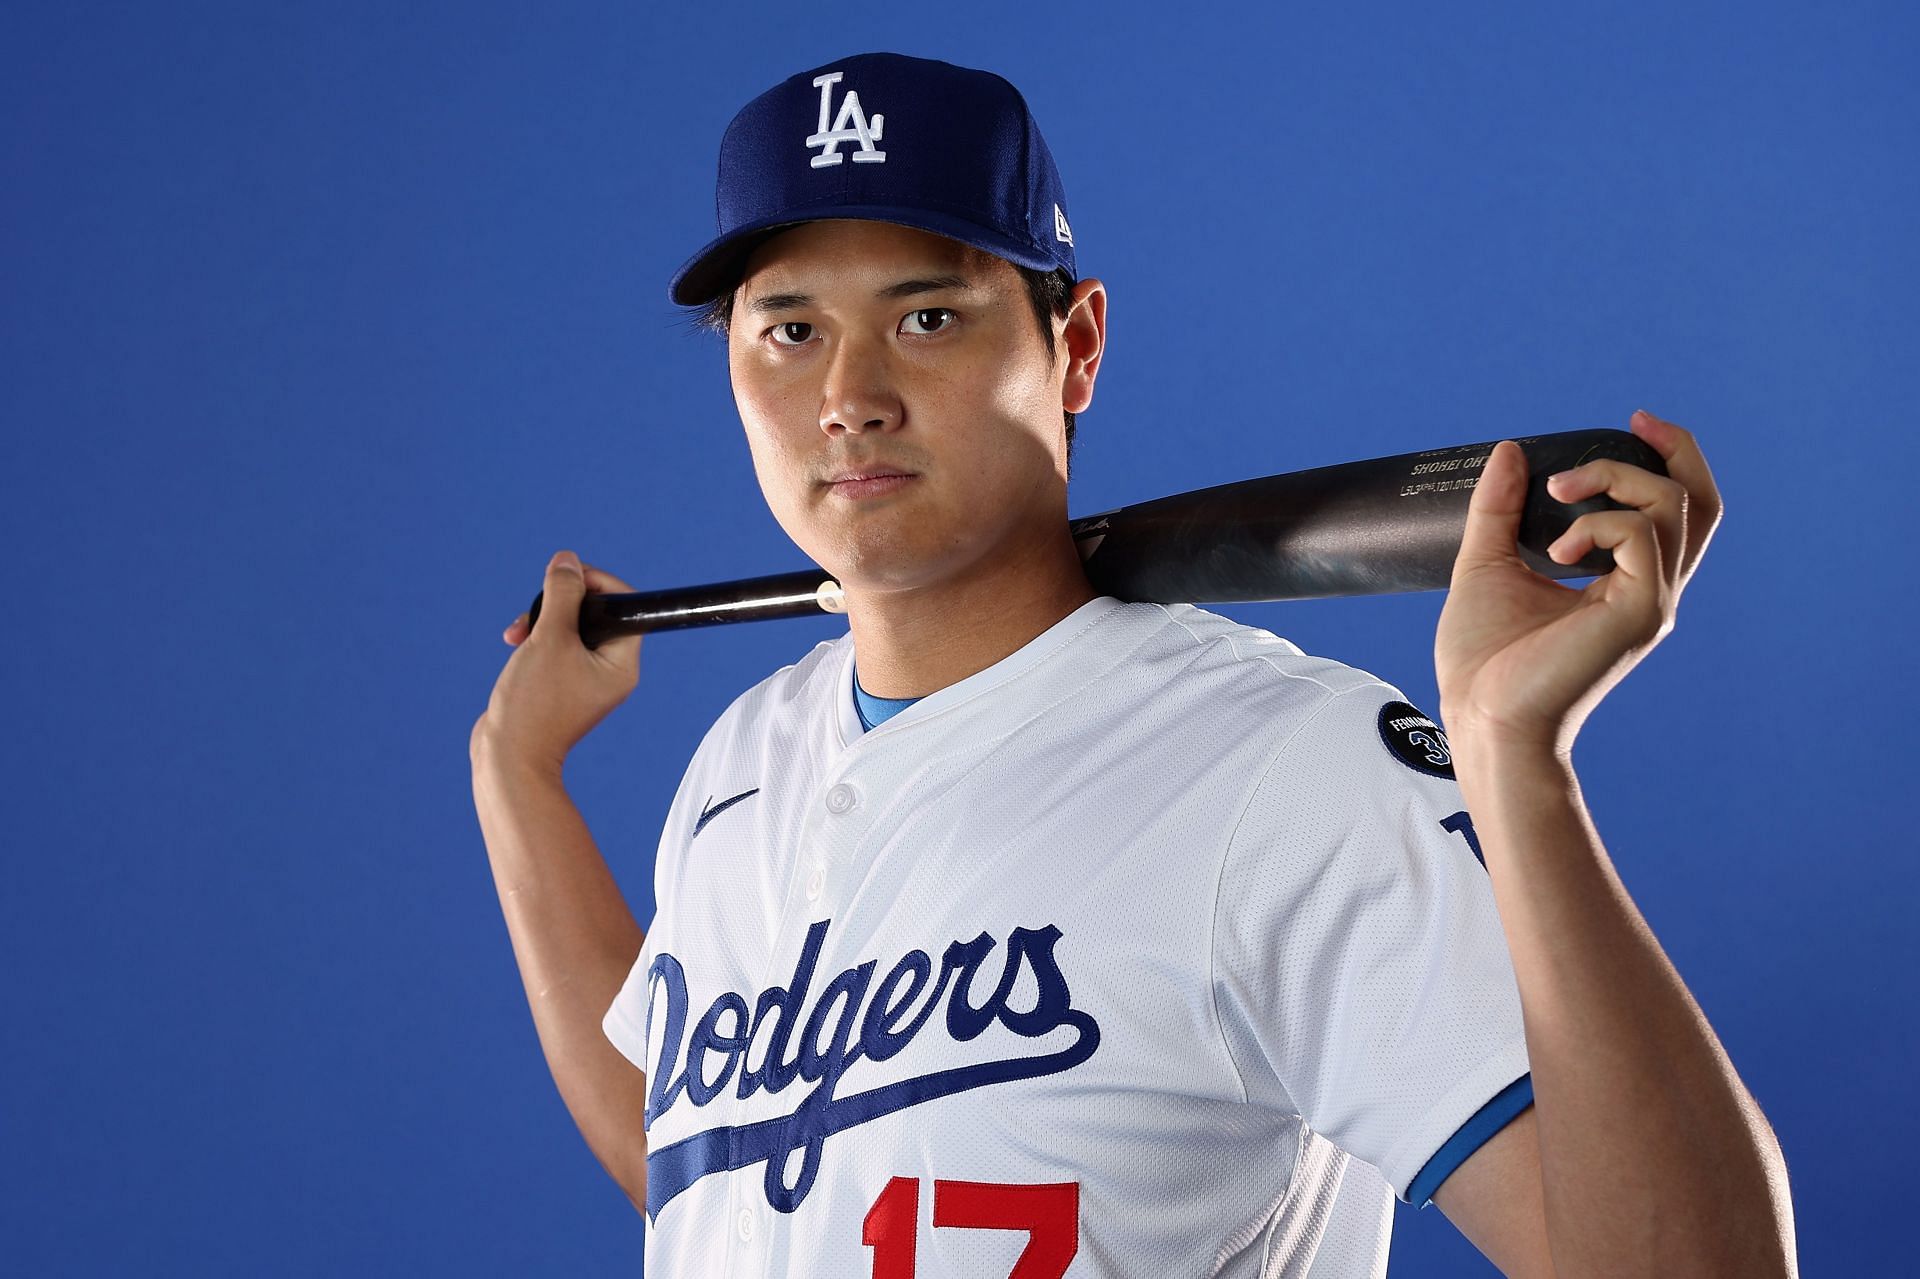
(808, 593)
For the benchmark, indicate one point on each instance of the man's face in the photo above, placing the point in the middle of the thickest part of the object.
(867, 348)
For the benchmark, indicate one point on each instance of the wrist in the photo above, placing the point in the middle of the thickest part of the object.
(1472, 732)
(1494, 771)
(1485, 745)
(496, 755)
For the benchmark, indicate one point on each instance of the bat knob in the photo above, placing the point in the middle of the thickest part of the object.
(595, 627)
(1544, 517)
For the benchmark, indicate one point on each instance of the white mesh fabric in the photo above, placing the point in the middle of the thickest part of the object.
(1247, 907)
(1371, 989)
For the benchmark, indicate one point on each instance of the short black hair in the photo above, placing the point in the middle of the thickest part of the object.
(1050, 292)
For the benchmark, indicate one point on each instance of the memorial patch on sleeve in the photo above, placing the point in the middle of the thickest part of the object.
(1415, 740)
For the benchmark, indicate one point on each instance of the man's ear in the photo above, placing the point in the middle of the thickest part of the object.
(1084, 340)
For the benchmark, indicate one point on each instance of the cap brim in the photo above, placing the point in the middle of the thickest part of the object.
(717, 268)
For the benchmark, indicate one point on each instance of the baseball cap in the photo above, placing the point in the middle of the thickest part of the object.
(888, 138)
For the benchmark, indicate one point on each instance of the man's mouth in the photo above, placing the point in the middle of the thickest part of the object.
(871, 472)
(869, 482)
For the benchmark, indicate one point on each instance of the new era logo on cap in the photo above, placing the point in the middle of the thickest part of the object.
(889, 138)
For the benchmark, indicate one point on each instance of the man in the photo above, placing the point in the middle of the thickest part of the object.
(1024, 931)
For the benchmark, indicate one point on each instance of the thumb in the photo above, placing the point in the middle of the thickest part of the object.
(1493, 512)
(560, 596)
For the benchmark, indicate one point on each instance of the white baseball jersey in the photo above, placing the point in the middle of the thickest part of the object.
(1156, 948)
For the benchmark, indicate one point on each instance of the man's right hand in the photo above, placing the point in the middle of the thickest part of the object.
(554, 688)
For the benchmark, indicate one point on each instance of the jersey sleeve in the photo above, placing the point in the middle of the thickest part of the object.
(625, 1021)
(1360, 971)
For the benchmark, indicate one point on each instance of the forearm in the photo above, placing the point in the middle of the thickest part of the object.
(1654, 1157)
(575, 940)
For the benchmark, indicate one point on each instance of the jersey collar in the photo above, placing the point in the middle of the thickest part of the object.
(1030, 654)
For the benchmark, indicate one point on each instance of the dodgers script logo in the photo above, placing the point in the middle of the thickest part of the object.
(806, 1041)
(851, 125)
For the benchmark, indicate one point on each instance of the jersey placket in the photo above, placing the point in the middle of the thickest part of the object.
(839, 815)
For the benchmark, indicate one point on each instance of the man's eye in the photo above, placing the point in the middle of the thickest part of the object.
(930, 320)
(791, 334)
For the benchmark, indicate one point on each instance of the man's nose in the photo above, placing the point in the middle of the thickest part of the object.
(859, 395)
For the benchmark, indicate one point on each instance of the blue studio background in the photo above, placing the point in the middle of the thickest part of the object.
(322, 326)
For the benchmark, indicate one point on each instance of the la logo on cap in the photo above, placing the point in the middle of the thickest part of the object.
(851, 125)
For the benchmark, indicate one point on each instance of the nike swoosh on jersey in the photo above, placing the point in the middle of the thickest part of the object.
(713, 810)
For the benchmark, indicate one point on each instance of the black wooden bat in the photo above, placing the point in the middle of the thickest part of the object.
(1378, 527)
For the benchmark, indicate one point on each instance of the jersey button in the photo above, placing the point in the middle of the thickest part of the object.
(746, 1223)
(816, 882)
(841, 798)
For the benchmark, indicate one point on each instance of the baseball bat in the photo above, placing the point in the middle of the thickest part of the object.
(1377, 527)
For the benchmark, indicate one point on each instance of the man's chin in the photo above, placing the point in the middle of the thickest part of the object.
(879, 570)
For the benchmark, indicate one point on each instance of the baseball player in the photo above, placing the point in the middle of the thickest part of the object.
(1023, 931)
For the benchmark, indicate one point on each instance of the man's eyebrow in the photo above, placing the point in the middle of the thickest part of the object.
(930, 284)
(774, 303)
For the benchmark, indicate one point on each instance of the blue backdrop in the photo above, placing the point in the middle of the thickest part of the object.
(322, 326)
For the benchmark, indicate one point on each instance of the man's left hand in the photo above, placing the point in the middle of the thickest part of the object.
(1522, 660)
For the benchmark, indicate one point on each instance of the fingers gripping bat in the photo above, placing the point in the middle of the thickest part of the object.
(1379, 527)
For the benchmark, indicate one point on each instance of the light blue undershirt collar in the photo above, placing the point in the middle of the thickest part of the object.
(874, 711)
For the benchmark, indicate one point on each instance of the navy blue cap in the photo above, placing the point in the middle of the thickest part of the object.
(888, 138)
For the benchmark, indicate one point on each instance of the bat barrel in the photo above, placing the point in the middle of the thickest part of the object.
(1386, 526)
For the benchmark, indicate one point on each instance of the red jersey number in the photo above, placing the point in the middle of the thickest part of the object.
(1050, 1214)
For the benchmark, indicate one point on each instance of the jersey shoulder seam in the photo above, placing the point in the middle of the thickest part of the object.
(1232, 638)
